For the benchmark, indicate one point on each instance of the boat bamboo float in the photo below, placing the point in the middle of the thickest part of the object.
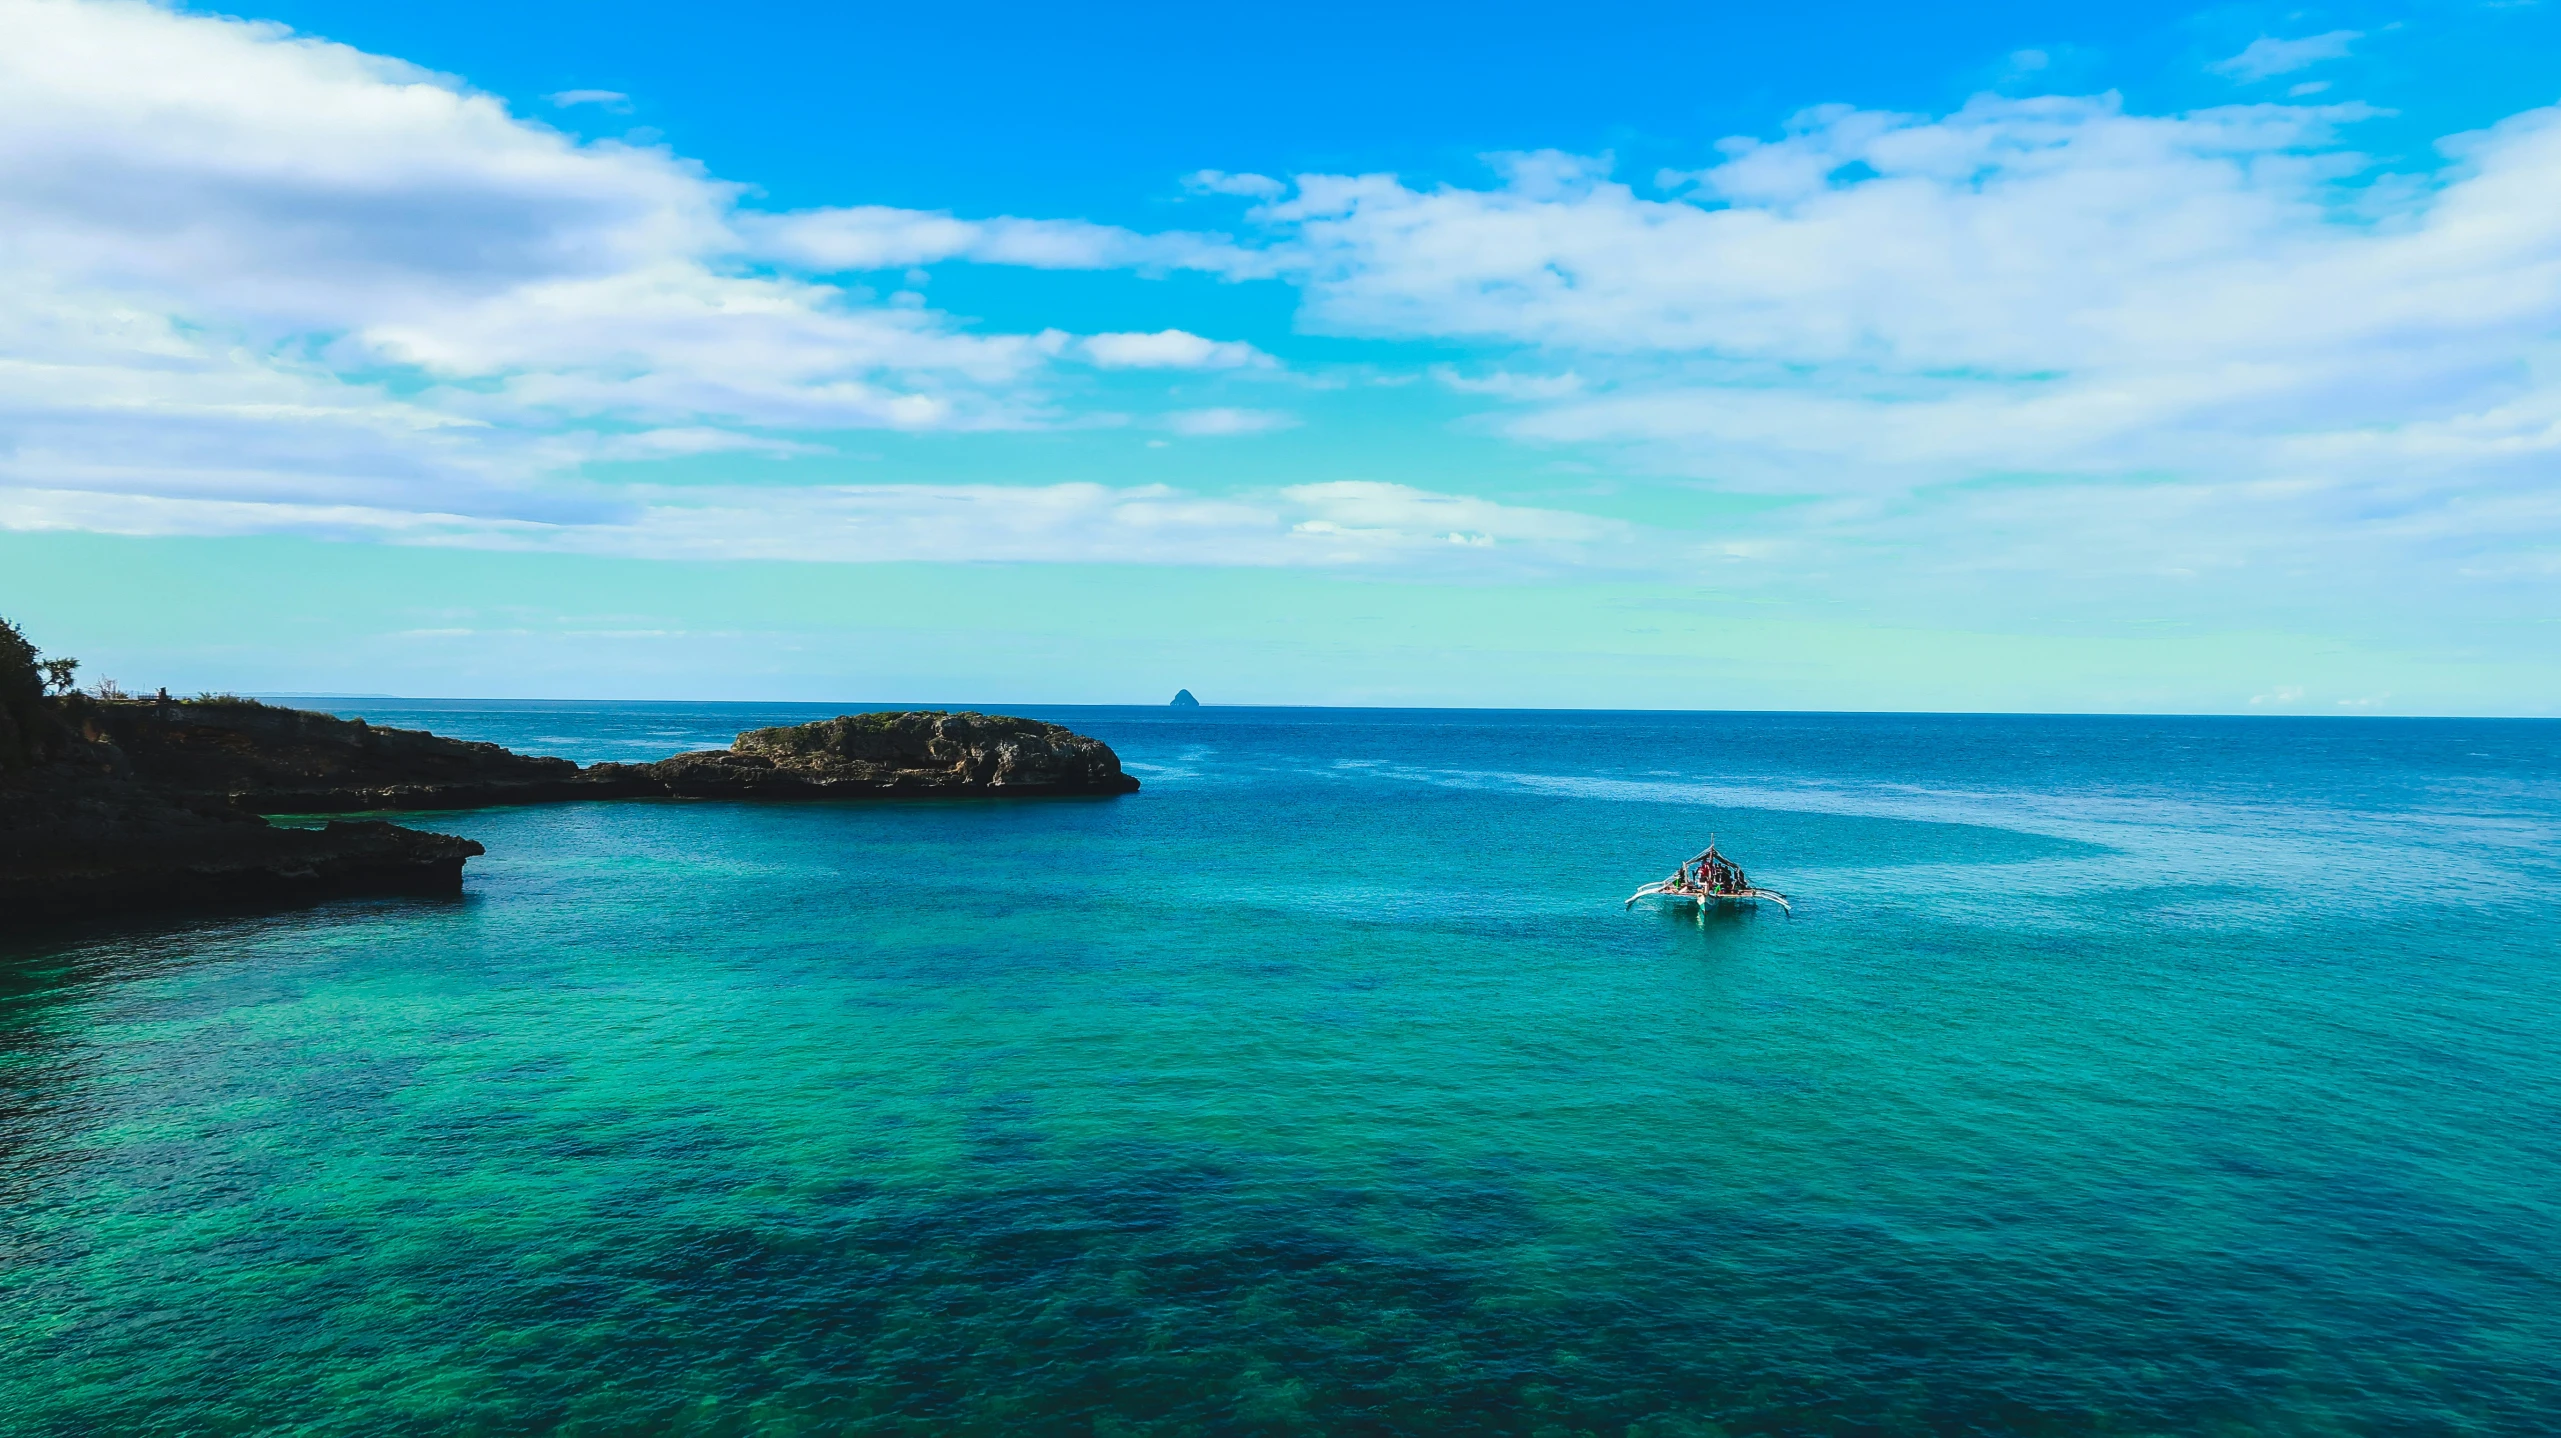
(1707, 879)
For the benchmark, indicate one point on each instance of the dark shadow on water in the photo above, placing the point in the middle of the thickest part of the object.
(1140, 1291)
(146, 930)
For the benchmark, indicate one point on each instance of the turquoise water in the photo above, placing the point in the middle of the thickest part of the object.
(2114, 1076)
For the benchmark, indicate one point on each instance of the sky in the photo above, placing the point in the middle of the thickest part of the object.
(2044, 358)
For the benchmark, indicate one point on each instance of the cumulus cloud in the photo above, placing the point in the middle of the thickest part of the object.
(1395, 512)
(254, 268)
(2033, 335)
(875, 237)
(2268, 56)
(1219, 182)
(2049, 285)
(1172, 349)
(261, 280)
(1504, 384)
(1224, 420)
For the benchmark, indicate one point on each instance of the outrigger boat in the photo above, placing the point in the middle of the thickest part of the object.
(1710, 878)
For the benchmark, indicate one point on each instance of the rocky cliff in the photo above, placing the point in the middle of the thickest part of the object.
(112, 805)
(76, 845)
(289, 761)
(84, 830)
(273, 760)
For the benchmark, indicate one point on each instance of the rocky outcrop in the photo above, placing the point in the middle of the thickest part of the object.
(290, 761)
(273, 760)
(114, 805)
(75, 845)
(917, 753)
(84, 830)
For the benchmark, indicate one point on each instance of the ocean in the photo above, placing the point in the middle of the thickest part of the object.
(2112, 1076)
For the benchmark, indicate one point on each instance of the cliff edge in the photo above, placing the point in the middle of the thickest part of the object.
(273, 760)
(113, 804)
(85, 831)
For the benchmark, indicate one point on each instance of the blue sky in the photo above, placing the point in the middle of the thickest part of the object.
(1851, 357)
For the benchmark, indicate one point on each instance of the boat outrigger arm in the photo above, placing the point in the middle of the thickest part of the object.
(1709, 878)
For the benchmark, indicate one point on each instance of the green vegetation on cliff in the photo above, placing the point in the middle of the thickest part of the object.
(27, 731)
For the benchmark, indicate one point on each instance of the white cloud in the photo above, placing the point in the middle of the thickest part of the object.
(873, 237)
(1365, 507)
(1504, 384)
(610, 99)
(2044, 336)
(1954, 252)
(1349, 523)
(258, 280)
(1172, 349)
(694, 440)
(256, 268)
(1222, 420)
(1219, 182)
(268, 283)
(2268, 56)
(2046, 285)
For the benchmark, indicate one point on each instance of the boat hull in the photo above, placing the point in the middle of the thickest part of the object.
(1704, 899)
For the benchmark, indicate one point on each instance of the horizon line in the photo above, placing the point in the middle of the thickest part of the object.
(870, 706)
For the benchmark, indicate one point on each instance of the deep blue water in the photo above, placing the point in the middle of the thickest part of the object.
(2117, 1076)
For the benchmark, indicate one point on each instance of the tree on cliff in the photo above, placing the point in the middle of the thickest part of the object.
(29, 731)
(18, 670)
(21, 696)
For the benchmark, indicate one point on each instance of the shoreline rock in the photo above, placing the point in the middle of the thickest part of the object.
(916, 753)
(110, 806)
(84, 834)
(271, 760)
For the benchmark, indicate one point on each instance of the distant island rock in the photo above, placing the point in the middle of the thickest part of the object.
(109, 805)
(1183, 700)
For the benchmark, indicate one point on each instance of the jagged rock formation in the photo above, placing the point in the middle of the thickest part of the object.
(924, 752)
(84, 830)
(113, 805)
(78, 841)
(274, 760)
(290, 761)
